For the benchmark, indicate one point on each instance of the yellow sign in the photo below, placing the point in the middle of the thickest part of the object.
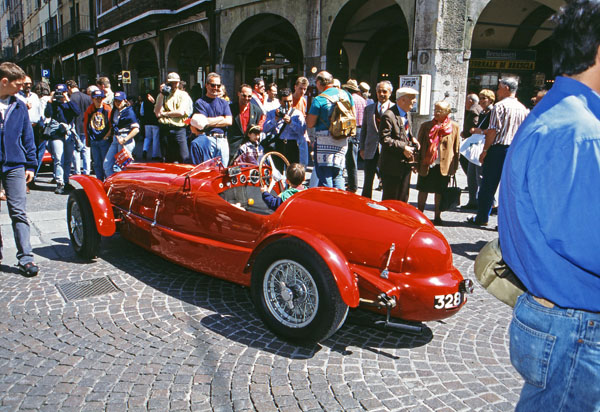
(501, 64)
(126, 76)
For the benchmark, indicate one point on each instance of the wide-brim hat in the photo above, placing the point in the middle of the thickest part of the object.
(173, 77)
(403, 91)
(352, 85)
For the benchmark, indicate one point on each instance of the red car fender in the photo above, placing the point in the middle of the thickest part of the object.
(101, 206)
(331, 254)
(406, 209)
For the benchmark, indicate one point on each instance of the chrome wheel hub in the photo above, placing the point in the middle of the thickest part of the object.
(290, 293)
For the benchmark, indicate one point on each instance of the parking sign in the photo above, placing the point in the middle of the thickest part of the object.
(46, 73)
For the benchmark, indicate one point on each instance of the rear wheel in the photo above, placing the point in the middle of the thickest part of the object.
(85, 238)
(295, 293)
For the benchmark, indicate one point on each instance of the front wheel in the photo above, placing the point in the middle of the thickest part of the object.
(295, 293)
(84, 235)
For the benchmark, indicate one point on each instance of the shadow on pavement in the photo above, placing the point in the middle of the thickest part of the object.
(227, 309)
(468, 250)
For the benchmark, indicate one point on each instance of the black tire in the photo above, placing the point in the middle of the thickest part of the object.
(83, 233)
(312, 291)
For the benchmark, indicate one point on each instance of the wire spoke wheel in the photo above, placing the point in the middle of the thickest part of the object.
(76, 225)
(291, 293)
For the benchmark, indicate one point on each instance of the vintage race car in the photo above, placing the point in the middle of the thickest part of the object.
(322, 252)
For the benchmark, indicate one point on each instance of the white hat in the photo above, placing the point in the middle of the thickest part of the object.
(173, 77)
(404, 91)
(199, 121)
(364, 86)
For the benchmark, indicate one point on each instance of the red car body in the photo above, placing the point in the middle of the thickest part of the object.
(189, 216)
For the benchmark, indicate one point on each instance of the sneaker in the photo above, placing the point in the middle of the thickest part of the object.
(28, 269)
(69, 187)
(60, 189)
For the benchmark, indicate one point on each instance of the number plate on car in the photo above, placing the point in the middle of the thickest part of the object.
(449, 301)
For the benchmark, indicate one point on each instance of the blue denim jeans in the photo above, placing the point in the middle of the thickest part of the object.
(62, 155)
(330, 176)
(557, 352)
(152, 140)
(13, 182)
(352, 162)
(109, 161)
(491, 174)
(39, 154)
(99, 149)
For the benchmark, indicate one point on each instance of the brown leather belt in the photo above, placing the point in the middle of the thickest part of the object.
(544, 302)
(548, 304)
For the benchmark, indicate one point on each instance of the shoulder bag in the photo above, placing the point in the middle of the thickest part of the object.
(495, 276)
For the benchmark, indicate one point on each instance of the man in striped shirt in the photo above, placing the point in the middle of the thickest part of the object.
(506, 117)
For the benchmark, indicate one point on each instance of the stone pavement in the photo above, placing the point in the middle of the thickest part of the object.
(171, 339)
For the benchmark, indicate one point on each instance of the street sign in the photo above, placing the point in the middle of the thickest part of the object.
(126, 76)
(46, 73)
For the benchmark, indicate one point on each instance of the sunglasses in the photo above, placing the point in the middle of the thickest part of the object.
(214, 85)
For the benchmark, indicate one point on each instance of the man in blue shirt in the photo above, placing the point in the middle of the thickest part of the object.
(289, 125)
(211, 117)
(17, 161)
(549, 225)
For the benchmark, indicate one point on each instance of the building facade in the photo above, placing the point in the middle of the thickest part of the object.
(459, 45)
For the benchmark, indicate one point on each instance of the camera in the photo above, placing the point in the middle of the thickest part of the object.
(166, 90)
(415, 151)
(59, 98)
(283, 110)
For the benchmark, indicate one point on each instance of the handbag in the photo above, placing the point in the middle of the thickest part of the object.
(450, 196)
(472, 147)
(495, 276)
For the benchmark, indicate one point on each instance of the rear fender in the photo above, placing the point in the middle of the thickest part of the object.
(101, 207)
(331, 254)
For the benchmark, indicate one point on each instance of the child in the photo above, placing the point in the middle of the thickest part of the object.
(295, 175)
(251, 151)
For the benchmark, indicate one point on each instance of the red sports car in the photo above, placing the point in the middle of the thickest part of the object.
(322, 252)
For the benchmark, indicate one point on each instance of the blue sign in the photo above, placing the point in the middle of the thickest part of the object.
(46, 73)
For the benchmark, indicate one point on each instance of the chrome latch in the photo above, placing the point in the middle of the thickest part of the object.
(155, 212)
(385, 272)
(131, 202)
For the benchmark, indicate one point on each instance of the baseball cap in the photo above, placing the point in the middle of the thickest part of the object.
(97, 93)
(120, 96)
(60, 88)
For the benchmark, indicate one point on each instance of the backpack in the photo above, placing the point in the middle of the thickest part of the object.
(342, 122)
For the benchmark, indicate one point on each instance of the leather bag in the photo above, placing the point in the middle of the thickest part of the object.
(495, 276)
(450, 196)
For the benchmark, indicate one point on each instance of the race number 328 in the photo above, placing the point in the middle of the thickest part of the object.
(448, 301)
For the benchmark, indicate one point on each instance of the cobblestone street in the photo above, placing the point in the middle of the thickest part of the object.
(172, 339)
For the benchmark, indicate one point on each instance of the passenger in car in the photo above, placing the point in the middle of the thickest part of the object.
(251, 151)
(295, 176)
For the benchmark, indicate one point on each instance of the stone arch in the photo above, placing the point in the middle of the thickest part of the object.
(372, 37)
(143, 65)
(511, 36)
(266, 45)
(191, 63)
(69, 69)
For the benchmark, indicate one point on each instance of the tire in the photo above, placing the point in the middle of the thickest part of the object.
(306, 308)
(84, 236)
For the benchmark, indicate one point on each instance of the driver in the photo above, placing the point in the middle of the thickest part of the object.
(295, 176)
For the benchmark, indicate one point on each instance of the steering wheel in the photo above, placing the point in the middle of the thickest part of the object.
(261, 166)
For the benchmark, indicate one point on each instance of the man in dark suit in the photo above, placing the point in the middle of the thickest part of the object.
(245, 113)
(369, 134)
(397, 146)
(81, 159)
